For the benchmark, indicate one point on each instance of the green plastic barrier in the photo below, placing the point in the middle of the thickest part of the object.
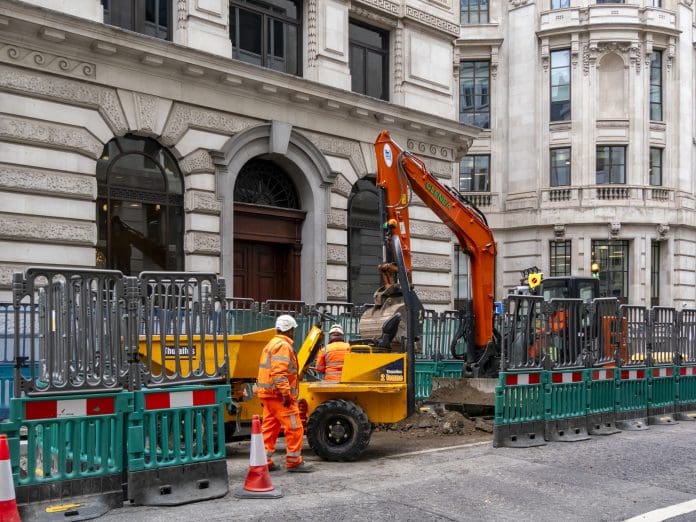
(601, 401)
(662, 394)
(425, 371)
(686, 393)
(565, 405)
(74, 452)
(176, 445)
(519, 409)
(631, 399)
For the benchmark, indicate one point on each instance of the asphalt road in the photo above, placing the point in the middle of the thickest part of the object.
(605, 478)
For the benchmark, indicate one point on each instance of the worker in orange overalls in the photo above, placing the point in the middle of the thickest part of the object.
(277, 387)
(330, 359)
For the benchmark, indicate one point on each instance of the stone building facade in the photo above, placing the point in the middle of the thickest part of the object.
(180, 135)
(588, 154)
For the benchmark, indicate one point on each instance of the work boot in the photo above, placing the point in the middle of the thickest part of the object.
(302, 467)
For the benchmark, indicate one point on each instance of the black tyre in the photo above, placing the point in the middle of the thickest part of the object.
(338, 430)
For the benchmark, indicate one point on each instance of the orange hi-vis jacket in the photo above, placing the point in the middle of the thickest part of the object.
(330, 360)
(277, 369)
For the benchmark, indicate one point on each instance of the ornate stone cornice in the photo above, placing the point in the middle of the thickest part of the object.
(430, 149)
(183, 117)
(373, 16)
(66, 90)
(592, 51)
(49, 62)
(386, 6)
(25, 130)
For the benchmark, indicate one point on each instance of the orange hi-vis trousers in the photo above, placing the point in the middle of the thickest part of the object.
(275, 417)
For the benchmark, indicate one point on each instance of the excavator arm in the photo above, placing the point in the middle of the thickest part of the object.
(400, 172)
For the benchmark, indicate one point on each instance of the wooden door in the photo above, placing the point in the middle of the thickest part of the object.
(261, 271)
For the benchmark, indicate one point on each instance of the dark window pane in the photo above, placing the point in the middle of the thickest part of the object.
(368, 60)
(164, 13)
(655, 166)
(474, 173)
(357, 69)
(560, 85)
(250, 32)
(560, 167)
(150, 11)
(375, 78)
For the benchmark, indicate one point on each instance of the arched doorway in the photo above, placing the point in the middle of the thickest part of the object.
(364, 242)
(140, 207)
(267, 233)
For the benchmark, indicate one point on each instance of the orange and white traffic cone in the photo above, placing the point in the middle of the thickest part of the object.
(8, 502)
(258, 481)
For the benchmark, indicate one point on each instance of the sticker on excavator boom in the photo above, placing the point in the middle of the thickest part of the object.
(388, 156)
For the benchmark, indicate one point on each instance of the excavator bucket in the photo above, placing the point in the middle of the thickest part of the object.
(373, 319)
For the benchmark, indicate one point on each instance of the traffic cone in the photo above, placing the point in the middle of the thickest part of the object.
(258, 481)
(8, 503)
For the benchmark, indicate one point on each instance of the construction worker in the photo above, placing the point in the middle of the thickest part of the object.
(330, 359)
(277, 387)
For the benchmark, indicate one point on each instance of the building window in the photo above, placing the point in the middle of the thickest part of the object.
(267, 33)
(560, 167)
(657, 3)
(655, 273)
(140, 207)
(611, 164)
(473, 12)
(612, 258)
(151, 17)
(559, 257)
(369, 60)
(560, 85)
(462, 292)
(364, 242)
(656, 86)
(610, 1)
(560, 4)
(474, 93)
(655, 166)
(475, 174)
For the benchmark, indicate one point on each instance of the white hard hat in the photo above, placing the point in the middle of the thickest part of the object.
(285, 323)
(336, 329)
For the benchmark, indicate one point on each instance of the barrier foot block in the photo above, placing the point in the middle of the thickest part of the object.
(566, 430)
(686, 416)
(519, 435)
(633, 424)
(176, 485)
(602, 425)
(662, 418)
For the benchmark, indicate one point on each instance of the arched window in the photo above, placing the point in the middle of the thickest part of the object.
(364, 242)
(140, 207)
(262, 182)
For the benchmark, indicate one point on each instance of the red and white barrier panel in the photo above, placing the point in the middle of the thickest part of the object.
(522, 379)
(632, 375)
(602, 375)
(687, 371)
(566, 377)
(180, 399)
(662, 372)
(65, 408)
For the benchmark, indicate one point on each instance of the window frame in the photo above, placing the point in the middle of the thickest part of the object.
(266, 16)
(132, 16)
(476, 157)
(468, 117)
(653, 166)
(552, 167)
(560, 249)
(559, 4)
(606, 272)
(611, 165)
(655, 258)
(465, 13)
(365, 47)
(567, 101)
(656, 107)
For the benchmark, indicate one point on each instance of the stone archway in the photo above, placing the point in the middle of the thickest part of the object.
(312, 177)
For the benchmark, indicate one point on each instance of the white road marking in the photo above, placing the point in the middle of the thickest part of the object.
(435, 450)
(665, 513)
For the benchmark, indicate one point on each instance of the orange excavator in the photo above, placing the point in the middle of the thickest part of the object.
(399, 175)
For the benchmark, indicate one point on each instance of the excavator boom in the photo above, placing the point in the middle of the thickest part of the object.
(398, 172)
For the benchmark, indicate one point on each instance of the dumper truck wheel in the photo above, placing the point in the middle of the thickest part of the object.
(338, 430)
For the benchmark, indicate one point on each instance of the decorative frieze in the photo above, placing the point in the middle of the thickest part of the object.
(430, 149)
(66, 90)
(45, 61)
(201, 202)
(198, 161)
(202, 243)
(37, 181)
(337, 219)
(339, 147)
(183, 117)
(47, 134)
(372, 16)
(337, 254)
(40, 229)
(432, 20)
(431, 262)
(383, 5)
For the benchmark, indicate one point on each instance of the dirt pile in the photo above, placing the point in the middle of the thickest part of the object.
(434, 422)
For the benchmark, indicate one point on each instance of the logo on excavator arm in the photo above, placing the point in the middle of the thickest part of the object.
(388, 156)
(438, 195)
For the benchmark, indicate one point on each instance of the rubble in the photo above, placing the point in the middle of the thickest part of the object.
(432, 420)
